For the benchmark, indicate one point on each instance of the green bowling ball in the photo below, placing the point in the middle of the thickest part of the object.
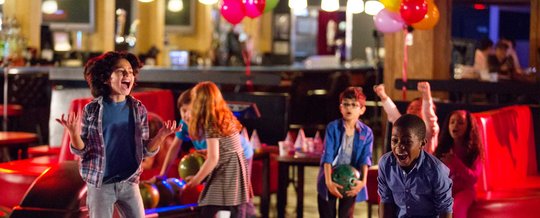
(345, 175)
(190, 164)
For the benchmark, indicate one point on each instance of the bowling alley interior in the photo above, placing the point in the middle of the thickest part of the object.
(270, 108)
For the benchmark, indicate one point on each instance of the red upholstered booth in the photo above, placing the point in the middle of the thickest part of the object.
(17, 176)
(510, 184)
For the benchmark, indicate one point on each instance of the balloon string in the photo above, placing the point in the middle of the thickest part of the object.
(404, 67)
(247, 59)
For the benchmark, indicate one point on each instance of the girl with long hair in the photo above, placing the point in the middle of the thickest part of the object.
(227, 184)
(460, 149)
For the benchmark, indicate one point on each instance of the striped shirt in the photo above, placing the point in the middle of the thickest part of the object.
(92, 166)
(228, 184)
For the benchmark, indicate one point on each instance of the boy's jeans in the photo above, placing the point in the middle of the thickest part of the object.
(126, 195)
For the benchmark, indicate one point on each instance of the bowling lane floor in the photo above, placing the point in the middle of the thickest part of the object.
(310, 200)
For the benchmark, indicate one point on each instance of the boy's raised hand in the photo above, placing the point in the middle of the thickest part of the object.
(379, 90)
(333, 189)
(169, 127)
(358, 185)
(71, 123)
(425, 89)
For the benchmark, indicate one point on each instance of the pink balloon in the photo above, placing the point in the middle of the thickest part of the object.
(413, 11)
(254, 8)
(233, 11)
(387, 21)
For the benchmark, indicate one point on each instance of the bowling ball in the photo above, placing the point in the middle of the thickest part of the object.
(177, 186)
(345, 175)
(149, 194)
(191, 195)
(190, 164)
(166, 193)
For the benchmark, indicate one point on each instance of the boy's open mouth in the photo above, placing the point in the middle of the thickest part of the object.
(402, 157)
(126, 84)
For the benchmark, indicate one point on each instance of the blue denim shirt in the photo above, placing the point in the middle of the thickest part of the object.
(361, 154)
(426, 191)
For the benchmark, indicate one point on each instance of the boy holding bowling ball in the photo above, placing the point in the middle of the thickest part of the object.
(347, 141)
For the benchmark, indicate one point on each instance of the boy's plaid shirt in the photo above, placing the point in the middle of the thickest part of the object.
(92, 167)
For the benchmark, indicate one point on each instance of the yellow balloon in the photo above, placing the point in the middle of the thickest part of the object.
(430, 19)
(391, 5)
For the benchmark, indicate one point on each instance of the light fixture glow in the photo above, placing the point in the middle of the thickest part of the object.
(146, 1)
(49, 6)
(355, 6)
(2, 2)
(373, 7)
(298, 4)
(208, 2)
(175, 5)
(330, 5)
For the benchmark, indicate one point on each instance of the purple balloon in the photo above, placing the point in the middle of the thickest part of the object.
(233, 11)
(388, 22)
(254, 8)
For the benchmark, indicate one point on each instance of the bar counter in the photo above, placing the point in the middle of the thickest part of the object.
(260, 75)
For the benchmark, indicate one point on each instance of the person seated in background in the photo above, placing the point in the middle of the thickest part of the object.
(461, 151)
(512, 52)
(501, 63)
(412, 182)
(483, 50)
(422, 107)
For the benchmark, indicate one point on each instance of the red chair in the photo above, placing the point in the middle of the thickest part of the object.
(372, 186)
(257, 171)
(510, 184)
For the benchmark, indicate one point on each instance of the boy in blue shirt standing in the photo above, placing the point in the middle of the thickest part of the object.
(114, 136)
(412, 182)
(347, 141)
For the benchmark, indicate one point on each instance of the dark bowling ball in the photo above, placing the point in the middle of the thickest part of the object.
(149, 194)
(166, 193)
(177, 186)
(346, 176)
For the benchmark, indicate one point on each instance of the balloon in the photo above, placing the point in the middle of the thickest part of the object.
(430, 20)
(388, 22)
(391, 5)
(270, 5)
(254, 8)
(413, 11)
(233, 11)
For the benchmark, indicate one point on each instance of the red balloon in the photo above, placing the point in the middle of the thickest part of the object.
(413, 11)
(254, 8)
(233, 11)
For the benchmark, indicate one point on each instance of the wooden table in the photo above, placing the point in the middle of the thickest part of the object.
(19, 140)
(284, 163)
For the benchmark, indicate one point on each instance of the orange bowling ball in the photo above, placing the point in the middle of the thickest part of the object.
(149, 194)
